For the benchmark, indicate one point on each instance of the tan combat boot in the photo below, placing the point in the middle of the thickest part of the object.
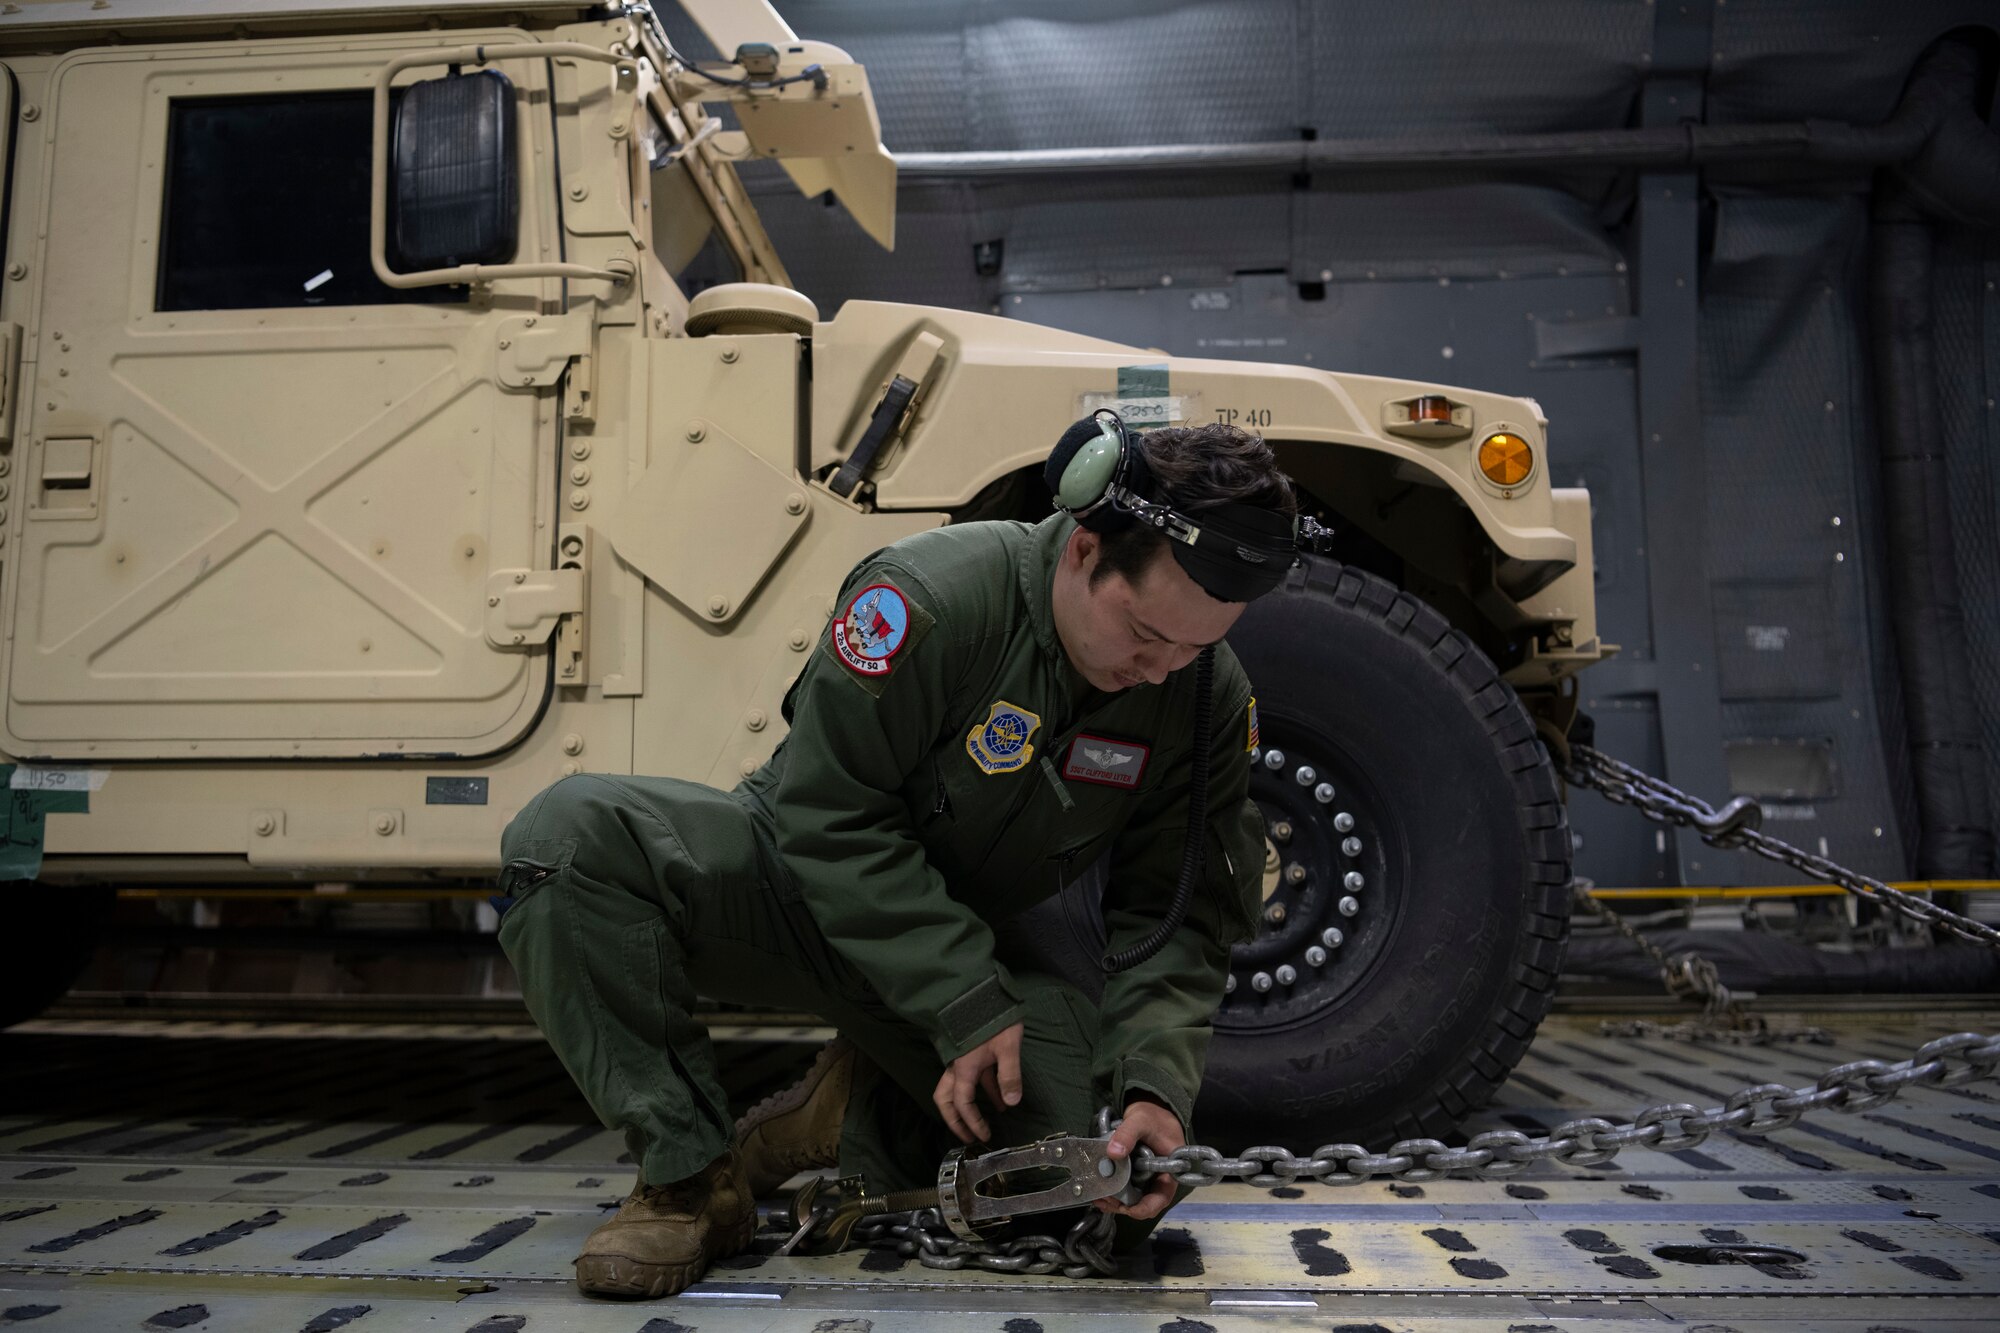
(664, 1236)
(797, 1129)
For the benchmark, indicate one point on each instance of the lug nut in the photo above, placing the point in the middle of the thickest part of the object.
(1344, 822)
(1274, 759)
(1295, 873)
(1353, 880)
(1275, 914)
(1229, 986)
(1261, 982)
(1323, 793)
(1281, 831)
(1332, 937)
(1286, 976)
(1349, 906)
(1305, 777)
(1350, 846)
(1316, 956)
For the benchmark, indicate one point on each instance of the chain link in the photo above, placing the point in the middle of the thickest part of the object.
(1686, 976)
(1737, 825)
(1085, 1250)
(1673, 1127)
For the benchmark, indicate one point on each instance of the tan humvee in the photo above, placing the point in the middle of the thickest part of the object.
(307, 579)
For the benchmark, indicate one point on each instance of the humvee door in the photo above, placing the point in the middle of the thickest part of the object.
(264, 491)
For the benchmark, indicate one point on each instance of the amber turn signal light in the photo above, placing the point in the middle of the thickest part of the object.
(1431, 409)
(1506, 459)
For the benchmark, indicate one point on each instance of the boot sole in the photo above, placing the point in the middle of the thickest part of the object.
(616, 1275)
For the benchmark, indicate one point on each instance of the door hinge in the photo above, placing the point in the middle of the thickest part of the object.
(10, 378)
(533, 351)
(523, 605)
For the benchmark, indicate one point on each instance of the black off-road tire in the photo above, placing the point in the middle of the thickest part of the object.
(1457, 830)
(51, 933)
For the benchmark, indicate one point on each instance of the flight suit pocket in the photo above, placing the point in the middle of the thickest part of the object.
(533, 862)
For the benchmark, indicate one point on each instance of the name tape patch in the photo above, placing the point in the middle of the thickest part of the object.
(874, 625)
(1106, 762)
(1000, 744)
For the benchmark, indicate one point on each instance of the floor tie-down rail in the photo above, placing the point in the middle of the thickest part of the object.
(278, 1177)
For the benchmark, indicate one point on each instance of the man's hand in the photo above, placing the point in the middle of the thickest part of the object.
(995, 1065)
(1155, 1127)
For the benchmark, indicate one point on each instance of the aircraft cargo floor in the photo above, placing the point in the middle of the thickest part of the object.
(252, 1177)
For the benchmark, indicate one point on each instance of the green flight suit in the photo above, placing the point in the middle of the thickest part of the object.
(919, 797)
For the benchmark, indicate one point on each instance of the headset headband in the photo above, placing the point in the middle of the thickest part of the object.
(1236, 552)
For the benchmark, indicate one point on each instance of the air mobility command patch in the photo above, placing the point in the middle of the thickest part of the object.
(869, 632)
(1253, 724)
(1106, 762)
(1000, 743)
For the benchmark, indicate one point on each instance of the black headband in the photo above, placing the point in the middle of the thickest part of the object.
(1236, 552)
(1240, 551)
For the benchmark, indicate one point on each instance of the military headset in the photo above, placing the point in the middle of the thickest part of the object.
(1237, 552)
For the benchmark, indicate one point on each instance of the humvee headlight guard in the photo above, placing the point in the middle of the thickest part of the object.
(1506, 459)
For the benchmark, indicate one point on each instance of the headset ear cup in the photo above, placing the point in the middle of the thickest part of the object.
(1073, 440)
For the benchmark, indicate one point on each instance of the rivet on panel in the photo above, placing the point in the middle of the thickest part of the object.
(571, 768)
(798, 640)
(385, 824)
(696, 433)
(729, 355)
(266, 825)
(17, 271)
(795, 503)
(580, 474)
(579, 500)
(718, 605)
(579, 449)
(579, 192)
(756, 721)
(572, 744)
(747, 767)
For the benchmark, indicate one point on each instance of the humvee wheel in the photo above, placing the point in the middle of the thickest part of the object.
(51, 932)
(1416, 901)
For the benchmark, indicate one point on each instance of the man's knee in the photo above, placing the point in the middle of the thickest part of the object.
(571, 809)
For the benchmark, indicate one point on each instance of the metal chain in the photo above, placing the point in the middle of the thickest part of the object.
(1084, 1251)
(1736, 825)
(1860, 1085)
(1688, 975)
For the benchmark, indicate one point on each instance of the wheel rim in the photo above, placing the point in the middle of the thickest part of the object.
(1321, 933)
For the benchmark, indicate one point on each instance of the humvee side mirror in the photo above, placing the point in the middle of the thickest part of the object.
(456, 173)
(457, 177)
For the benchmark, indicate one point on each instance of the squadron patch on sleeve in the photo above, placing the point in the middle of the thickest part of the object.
(1253, 724)
(871, 629)
(1000, 743)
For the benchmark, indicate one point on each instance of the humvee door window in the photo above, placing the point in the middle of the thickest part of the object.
(267, 206)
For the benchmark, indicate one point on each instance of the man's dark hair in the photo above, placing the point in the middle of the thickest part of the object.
(1196, 468)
